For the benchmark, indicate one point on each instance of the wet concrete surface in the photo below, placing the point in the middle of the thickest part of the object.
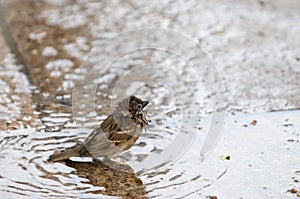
(248, 67)
(17, 108)
(4, 48)
(255, 46)
(263, 154)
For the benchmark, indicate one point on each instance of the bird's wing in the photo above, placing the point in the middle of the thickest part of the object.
(99, 144)
(116, 132)
(109, 138)
(120, 137)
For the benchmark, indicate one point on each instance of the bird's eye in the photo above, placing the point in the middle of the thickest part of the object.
(139, 106)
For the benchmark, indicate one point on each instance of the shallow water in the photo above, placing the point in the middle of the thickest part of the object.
(26, 172)
(161, 157)
(264, 157)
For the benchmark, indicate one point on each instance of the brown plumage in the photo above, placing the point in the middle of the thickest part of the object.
(117, 133)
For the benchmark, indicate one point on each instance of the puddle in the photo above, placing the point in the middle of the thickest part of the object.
(180, 105)
(179, 173)
(26, 173)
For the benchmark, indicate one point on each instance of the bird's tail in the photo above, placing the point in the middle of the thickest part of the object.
(74, 151)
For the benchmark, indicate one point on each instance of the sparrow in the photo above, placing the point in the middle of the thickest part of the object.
(117, 133)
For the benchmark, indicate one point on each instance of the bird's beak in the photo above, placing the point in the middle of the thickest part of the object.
(145, 103)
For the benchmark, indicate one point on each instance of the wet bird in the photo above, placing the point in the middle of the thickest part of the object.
(117, 133)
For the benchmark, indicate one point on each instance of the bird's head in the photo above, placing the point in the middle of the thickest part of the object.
(132, 106)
